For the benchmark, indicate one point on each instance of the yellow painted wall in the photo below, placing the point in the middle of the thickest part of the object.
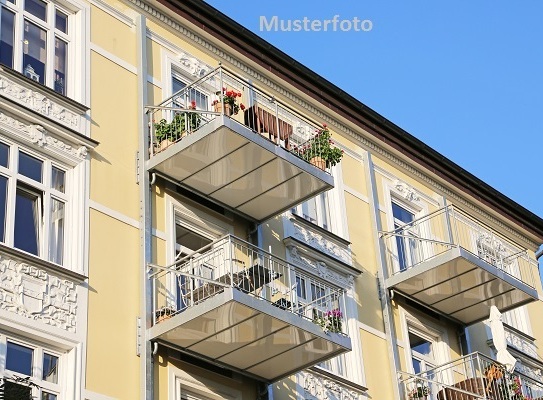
(114, 276)
(376, 366)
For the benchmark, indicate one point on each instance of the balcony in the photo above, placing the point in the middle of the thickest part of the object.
(253, 160)
(234, 304)
(472, 377)
(457, 266)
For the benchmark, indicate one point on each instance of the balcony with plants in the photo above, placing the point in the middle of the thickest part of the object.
(239, 146)
(458, 266)
(472, 377)
(237, 305)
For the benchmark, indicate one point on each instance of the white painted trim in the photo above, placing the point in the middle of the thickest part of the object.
(122, 218)
(207, 388)
(373, 331)
(356, 194)
(113, 58)
(154, 81)
(118, 15)
(88, 395)
(391, 177)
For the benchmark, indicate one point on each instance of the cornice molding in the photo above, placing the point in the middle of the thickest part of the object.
(363, 141)
(37, 135)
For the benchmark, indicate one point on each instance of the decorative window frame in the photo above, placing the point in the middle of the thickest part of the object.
(314, 263)
(205, 389)
(425, 328)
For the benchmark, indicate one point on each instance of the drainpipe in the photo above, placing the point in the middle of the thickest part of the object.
(145, 352)
(382, 274)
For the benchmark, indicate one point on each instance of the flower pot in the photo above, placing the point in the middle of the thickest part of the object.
(318, 162)
(164, 144)
(228, 110)
(163, 314)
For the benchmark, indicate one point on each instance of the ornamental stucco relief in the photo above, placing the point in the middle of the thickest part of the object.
(34, 293)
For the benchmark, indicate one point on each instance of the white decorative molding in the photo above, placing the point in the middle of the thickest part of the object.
(39, 103)
(37, 135)
(317, 387)
(366, 143)
(406, 191)
(320, 269)
(117, 14)
(193, 66)
(521, 343)
(32, 292)
(319, 241)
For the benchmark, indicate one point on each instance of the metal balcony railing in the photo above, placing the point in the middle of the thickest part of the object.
(232, 262)
(427, 237)
(224, 93)
(471, 377)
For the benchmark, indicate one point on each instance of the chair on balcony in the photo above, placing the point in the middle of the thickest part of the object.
(265, 122)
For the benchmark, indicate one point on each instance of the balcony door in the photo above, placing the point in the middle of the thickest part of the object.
(187, 243)
(408, 239)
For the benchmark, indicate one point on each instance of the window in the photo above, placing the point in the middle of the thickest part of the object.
(24, 360)
(422, 353)
(34, 190)
(406, 243)
(315, 299)
(316, 211)
(35, 40)
(201, 99)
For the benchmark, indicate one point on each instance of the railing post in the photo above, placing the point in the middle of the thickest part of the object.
(221, 91)
(192, 286)
(153, 286)
(278, 139)
(231, 258)
(448, 222)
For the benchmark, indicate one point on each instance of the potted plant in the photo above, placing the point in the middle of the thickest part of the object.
(230, 103)
(420, 392)
(320, 150)
(182, 124)
(164, 313)
(330, 321)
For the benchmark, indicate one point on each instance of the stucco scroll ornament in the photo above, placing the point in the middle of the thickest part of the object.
(193, 65)
(312, 387)
(406, 191)
(38, 135)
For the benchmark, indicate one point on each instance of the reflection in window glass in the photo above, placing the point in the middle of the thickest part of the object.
(4, 155)
(6, 38)
(37, 8)
(200, 98)
(19, 358)
(56, 242)
(61, 55)
(16, 391)
(30, 166)
(58, 179)
(49, 370)
(48, 396)
(34, 52)
(61, 22)
(27, 221)
(3, 194)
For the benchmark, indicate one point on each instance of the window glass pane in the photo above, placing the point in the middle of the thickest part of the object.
(19, 359)
(50, 371)
(420, 345)
(58, 179)
(61, 55)
(56, 242)
(3, 194)
(48, 396)
(27, 221)
(30, 166)
(401, 213)
(61, 22)
(309, 210)
(6, 38)
(37, 8)
(300, 287)
(4, 155)
(200, 98)
(34, 52)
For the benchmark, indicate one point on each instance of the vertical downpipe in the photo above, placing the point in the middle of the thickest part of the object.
(146, 312)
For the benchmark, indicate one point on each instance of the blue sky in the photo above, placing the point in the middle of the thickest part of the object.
(463, 76)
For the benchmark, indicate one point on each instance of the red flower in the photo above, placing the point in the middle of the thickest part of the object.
(224, 89)
(229, 93)
(193, 104)
(242, 107)
(324, 125)
(239, 94)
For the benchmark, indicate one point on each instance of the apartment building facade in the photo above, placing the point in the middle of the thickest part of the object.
(171, 228)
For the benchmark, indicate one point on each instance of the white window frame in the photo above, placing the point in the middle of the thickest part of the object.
(200, 388)
(45, 192)
(77, 60)
(37, 360)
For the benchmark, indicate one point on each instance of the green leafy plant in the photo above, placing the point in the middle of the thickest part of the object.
(321, 145)
(419, 392)
(182, 122)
